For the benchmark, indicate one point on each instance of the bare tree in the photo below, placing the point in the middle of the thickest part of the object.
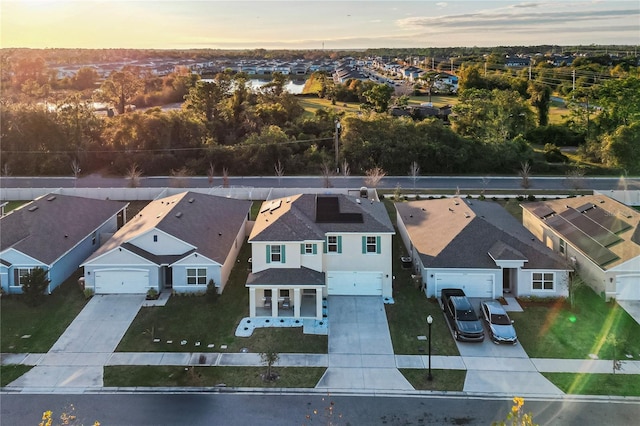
(279, 169)
(414, 172)
(374, 176)
(327, 173)
(525, 175)
(6, 170)
(179, 177)
(133, 174)
(575, 178)
(211, 172)
(346, 171)
(75, 169)
(225, 177)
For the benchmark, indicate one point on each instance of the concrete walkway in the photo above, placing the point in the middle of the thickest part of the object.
(77, 359)
(360, 350)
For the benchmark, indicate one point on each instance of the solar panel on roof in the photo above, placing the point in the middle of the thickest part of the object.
(607, 220)
(590, 247)
(328, 211)
(590, 227)
(583, 208)
(543, 211)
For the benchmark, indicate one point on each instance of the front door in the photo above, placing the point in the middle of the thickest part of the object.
(506, 280)
(168, 277)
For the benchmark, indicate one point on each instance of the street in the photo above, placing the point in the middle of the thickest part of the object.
(292, 409)
(560, 183)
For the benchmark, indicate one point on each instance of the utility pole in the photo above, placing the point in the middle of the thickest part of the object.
(451, 65)
(573, 77)
(529, 71)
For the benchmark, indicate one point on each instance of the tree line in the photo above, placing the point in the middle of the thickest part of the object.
(224, 124)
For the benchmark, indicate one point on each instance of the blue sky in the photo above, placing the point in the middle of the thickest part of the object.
(312, 24)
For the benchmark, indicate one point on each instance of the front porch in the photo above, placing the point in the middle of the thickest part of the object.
(286, 293)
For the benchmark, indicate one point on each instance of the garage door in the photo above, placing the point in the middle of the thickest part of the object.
(473, 285)
(628, 288)
(354, 283)
(121, 282)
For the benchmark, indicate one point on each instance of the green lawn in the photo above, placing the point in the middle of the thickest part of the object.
(44, 323)
(443, 380)
(596, 384)
(407, 316)
(154, 376)
(12, 205)
(196, 319)
(436, 100)
(8, 373)
(555, 330)
(312, 104)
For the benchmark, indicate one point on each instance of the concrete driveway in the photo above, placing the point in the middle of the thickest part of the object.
(360, 350)
(503, 368)
(78, 357)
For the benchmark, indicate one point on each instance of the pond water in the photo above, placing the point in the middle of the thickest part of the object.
(293, 86)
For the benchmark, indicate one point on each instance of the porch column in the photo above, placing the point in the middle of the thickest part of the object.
(318, 303)
(275, 297)
(296, 303)
(252, 302)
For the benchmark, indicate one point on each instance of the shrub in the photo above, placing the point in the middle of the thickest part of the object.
(481, 197)
(152, 294)
(520, 198)
(34, 284)
(212, 291)
(531, 197)
(88, 293)
(417, 197)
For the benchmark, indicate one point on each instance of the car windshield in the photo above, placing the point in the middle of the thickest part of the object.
(500, 319)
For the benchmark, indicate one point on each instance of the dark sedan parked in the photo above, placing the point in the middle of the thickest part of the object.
(500, 325)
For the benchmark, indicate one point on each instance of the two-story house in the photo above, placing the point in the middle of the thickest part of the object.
(306, 247)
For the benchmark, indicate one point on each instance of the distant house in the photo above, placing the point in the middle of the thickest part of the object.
(598, 235)
(517, 62)
(479, 247)
(56, 233)
(446, 83)
(308, 246)
(176, 243)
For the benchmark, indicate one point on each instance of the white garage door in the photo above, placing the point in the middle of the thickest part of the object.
(473, 285)
(354, 283)
(120, 282)
(628, 288)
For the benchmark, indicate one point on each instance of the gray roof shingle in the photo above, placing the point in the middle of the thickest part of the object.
(53, 224)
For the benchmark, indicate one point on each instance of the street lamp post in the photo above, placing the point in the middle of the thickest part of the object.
(337, 147)
(429, 322)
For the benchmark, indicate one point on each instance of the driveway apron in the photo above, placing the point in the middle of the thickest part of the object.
(360, 351)
(503, 368)
(77, 359)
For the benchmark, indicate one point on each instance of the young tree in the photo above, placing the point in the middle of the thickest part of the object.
(34, 284)
(133, 174)
(279, 169)
(346, 171)
(225, 177)
(540, 98)
(327, 173)
(374, 176)
(414, 172)
(269, 358)
(179, 178)
(525, 175)
(211, 172)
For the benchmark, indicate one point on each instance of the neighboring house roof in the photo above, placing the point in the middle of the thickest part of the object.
(295, 276)
(603, 229)
(455, 233)
(48, 227)
(206, 222)
(307, 217)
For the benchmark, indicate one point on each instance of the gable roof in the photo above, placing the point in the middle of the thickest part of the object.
(603, 229)
(206, 222)
(48, 227)
(296, 218)
(450, 233)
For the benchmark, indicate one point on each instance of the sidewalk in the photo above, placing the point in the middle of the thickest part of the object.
(218, 359)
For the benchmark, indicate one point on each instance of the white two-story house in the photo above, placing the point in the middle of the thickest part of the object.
(306, 247)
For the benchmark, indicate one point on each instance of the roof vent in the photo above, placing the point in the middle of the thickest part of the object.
(179, 214)
(358, 200)
(466, 215)
(33, 208)
(450, 209)
(601, 201)
(53, 197)
(288, 200)
(423, 209)
(220, 234)
(191, 200)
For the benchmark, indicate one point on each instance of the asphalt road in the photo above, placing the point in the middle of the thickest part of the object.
(291, 409)
(561, 183)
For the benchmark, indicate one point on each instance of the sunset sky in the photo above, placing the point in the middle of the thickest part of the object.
(305, 24)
